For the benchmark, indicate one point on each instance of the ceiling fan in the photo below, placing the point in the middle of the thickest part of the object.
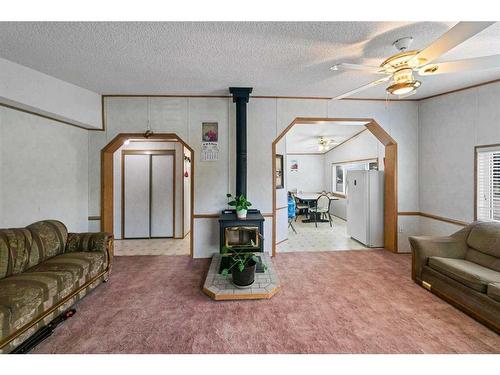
(325, 143)
(398, 69)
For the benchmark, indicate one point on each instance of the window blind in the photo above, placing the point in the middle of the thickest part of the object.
(488, 184)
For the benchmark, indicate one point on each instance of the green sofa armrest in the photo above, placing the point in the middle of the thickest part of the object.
(97, 241)
(424, 247)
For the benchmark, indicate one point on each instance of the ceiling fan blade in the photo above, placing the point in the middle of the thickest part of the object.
(364, 68)
(452, 38)
(367, 86)
(476, 63)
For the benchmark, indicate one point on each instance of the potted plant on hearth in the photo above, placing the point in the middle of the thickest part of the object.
(241, 204)
(242, 266)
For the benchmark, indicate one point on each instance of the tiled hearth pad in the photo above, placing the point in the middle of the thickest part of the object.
(221, 288)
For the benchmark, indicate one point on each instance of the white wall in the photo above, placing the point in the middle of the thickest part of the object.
(450, 126)
(310, 175)
(117, 182)
(31, 90)
(43, 171)
(266, 119)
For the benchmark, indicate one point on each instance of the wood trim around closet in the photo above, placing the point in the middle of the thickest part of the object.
(146, 152)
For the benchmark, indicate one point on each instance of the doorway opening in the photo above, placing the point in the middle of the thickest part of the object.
(147, 198)
(312, 159)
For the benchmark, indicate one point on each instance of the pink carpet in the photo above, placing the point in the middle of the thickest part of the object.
(349, 302)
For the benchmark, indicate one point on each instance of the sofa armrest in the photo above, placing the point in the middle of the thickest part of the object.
(97, 241)
(424, 247)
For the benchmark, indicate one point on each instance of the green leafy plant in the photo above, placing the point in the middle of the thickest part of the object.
(239, 202)
(239, 260)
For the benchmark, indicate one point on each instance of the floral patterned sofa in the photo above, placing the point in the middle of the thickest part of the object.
(44, 271)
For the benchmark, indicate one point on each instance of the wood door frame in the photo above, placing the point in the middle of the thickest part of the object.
(390, 175)
(150, 153)
(107, 166)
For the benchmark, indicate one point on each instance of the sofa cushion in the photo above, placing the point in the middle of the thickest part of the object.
(49, 239)
(15, 247)
(468, 273)
(79, 264)
(483, 259)
(485, 237)
(494, 291)
(25, 296)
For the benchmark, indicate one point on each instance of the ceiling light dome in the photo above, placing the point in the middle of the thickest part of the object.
(404, 83)
(403, 88)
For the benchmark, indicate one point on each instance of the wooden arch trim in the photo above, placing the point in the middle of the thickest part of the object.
(390, 174)
(107, 188)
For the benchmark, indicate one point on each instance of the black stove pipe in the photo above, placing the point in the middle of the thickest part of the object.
(241, 96)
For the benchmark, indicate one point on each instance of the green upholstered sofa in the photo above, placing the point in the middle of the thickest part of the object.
(463, 269)
(44, 271)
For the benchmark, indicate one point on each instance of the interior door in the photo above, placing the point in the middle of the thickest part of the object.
(136, 196)
(162, 195)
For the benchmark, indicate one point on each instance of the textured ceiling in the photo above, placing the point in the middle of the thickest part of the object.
(285, 59)
(303, 138)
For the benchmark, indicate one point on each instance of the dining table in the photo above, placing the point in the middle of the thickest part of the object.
(310, 200)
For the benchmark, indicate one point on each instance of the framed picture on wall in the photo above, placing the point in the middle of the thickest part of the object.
(210, 132)
(280, 177)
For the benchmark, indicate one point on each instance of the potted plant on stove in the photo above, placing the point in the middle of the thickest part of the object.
(242, 266)
(241, 204)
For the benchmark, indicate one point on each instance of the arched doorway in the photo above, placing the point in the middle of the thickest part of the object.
(107, 190)
(390, 175)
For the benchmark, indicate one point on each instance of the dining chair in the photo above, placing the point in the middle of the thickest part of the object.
(302, 208)
(322, 209)
(292, 212)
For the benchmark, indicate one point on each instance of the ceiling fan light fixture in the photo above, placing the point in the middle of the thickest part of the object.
(401, 60)
(323, 144)
(403, 75)
(403, 88)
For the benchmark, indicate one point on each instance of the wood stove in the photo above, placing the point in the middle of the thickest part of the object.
(242, 234)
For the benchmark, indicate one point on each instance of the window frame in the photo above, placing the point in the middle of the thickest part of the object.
(477, 150)
(334, 176)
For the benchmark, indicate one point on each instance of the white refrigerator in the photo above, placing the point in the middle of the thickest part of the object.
(365, 207)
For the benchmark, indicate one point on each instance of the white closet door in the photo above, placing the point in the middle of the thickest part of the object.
(162, 196)
(136, 172)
